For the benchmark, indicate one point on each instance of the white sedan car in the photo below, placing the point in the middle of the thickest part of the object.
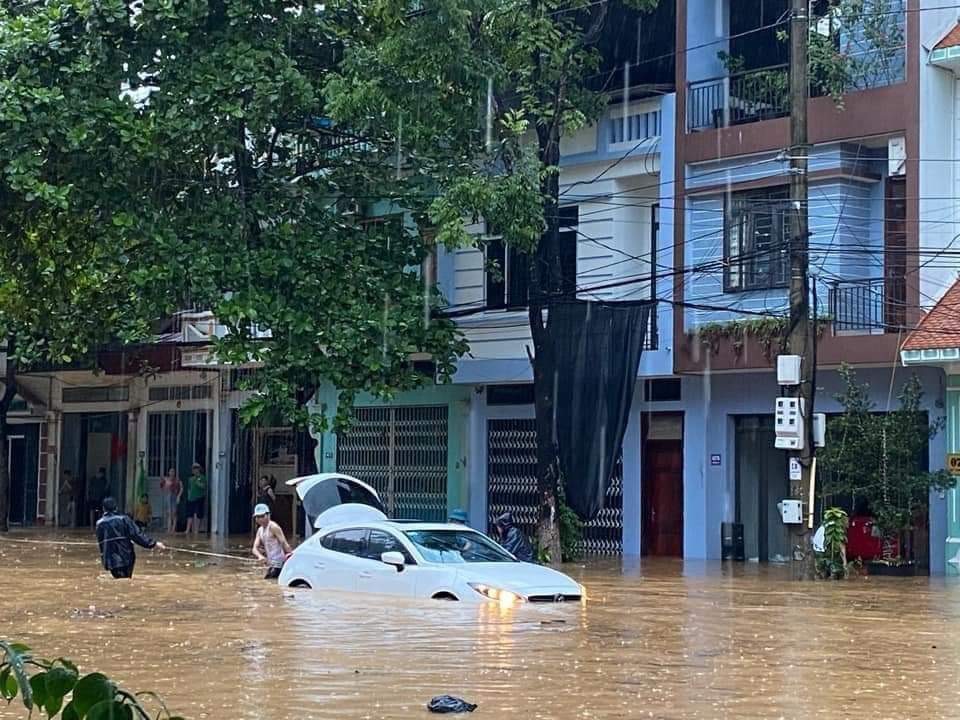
(356, 548)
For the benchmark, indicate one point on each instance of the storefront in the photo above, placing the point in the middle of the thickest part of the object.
(95, 455)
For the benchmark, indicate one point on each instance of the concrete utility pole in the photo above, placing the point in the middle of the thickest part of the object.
(801, 337)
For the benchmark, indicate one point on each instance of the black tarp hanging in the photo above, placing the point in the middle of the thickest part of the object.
(596, 350)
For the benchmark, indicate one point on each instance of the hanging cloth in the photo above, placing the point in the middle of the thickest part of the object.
(596, 348)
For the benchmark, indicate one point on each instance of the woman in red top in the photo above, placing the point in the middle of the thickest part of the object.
(172, 489)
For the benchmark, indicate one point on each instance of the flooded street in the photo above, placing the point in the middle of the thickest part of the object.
(660, 640)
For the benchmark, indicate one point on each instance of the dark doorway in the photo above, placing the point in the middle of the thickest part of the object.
(754, 33)
(662, 452)
(241, 477)
(91, 442)
(762, 482)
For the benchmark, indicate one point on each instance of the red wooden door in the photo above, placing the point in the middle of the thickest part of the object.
(663, 498)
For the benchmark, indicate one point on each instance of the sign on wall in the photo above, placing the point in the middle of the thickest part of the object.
(953, 463)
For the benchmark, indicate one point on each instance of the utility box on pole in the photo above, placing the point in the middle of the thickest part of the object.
(789, 424)
(788, 370)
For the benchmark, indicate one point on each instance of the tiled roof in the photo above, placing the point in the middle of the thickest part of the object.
(939, 328)
(952, 38)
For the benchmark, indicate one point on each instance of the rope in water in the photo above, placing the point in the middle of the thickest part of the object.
(83, 543)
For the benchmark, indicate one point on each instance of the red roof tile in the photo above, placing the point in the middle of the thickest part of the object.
(952, 38)
(940, 327)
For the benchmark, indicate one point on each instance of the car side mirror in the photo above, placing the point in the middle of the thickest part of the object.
(394, 558)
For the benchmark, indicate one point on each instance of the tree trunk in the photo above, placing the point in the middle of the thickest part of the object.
(545, 283)
(9, 392)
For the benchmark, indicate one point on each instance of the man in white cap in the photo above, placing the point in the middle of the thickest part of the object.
(270, 546)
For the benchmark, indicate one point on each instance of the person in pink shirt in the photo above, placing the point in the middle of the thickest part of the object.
(172, 488)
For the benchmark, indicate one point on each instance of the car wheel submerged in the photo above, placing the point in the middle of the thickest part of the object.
(300, 584)
(446, 596)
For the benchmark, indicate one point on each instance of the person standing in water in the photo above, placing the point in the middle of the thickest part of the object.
(116, 535)
(270, 544)
(196, 499)
(97, 489)
(66, 518)
(172, 490)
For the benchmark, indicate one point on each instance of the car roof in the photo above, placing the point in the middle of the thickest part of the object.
(399, 526)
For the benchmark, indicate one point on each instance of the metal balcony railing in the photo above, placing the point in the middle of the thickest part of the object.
(739, 98)
(868, 306)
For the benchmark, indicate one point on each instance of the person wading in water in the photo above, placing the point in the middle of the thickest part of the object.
(116, 535)
(270, 540)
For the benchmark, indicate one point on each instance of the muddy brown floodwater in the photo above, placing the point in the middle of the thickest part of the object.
(658, 640)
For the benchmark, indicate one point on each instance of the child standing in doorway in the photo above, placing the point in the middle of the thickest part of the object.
(143, 513)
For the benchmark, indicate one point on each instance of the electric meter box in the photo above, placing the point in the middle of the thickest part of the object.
(788, 369)
(791, 511)
(788, 421)
(819, 429)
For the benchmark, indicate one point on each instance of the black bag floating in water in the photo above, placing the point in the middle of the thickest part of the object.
(450, 704)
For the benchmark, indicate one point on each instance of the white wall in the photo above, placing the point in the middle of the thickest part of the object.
(939, 151)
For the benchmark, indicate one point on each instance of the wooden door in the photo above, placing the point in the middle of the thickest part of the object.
(895, 255)
(663, 498)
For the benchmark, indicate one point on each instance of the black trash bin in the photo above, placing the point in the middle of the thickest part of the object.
(731, 541)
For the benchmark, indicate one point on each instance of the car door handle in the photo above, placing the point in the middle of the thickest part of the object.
(366, 575)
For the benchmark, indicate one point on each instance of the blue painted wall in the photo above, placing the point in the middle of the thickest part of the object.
(707, 29)
(846, 222)
(711, 402)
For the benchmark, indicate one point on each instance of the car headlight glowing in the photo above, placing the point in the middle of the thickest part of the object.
(506, 598)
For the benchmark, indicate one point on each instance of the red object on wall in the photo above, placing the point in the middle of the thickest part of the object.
(861, 542)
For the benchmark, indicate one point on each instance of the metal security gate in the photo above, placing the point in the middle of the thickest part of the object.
(402, 452)
(512, 487)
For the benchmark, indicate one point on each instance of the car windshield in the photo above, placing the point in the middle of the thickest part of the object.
(457, 546)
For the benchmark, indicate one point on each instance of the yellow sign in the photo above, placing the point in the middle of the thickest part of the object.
(953, 463)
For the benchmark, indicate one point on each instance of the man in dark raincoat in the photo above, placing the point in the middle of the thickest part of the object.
(513, 540)
(116, 535)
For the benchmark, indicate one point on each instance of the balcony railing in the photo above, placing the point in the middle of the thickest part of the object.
(636, 127)
(739, 98)
(868, 306)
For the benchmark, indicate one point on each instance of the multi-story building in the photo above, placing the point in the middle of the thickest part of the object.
(678, 194)
(880, 213)
(702, 207)
(471, 443)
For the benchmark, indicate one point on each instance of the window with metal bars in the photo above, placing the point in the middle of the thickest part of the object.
(757, 240)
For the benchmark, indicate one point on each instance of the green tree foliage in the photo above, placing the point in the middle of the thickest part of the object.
(485, 90)
(877, 457)
(275, 201)
(57, 689)
(80, 248)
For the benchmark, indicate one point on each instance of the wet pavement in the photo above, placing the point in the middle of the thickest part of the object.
(661, 639)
